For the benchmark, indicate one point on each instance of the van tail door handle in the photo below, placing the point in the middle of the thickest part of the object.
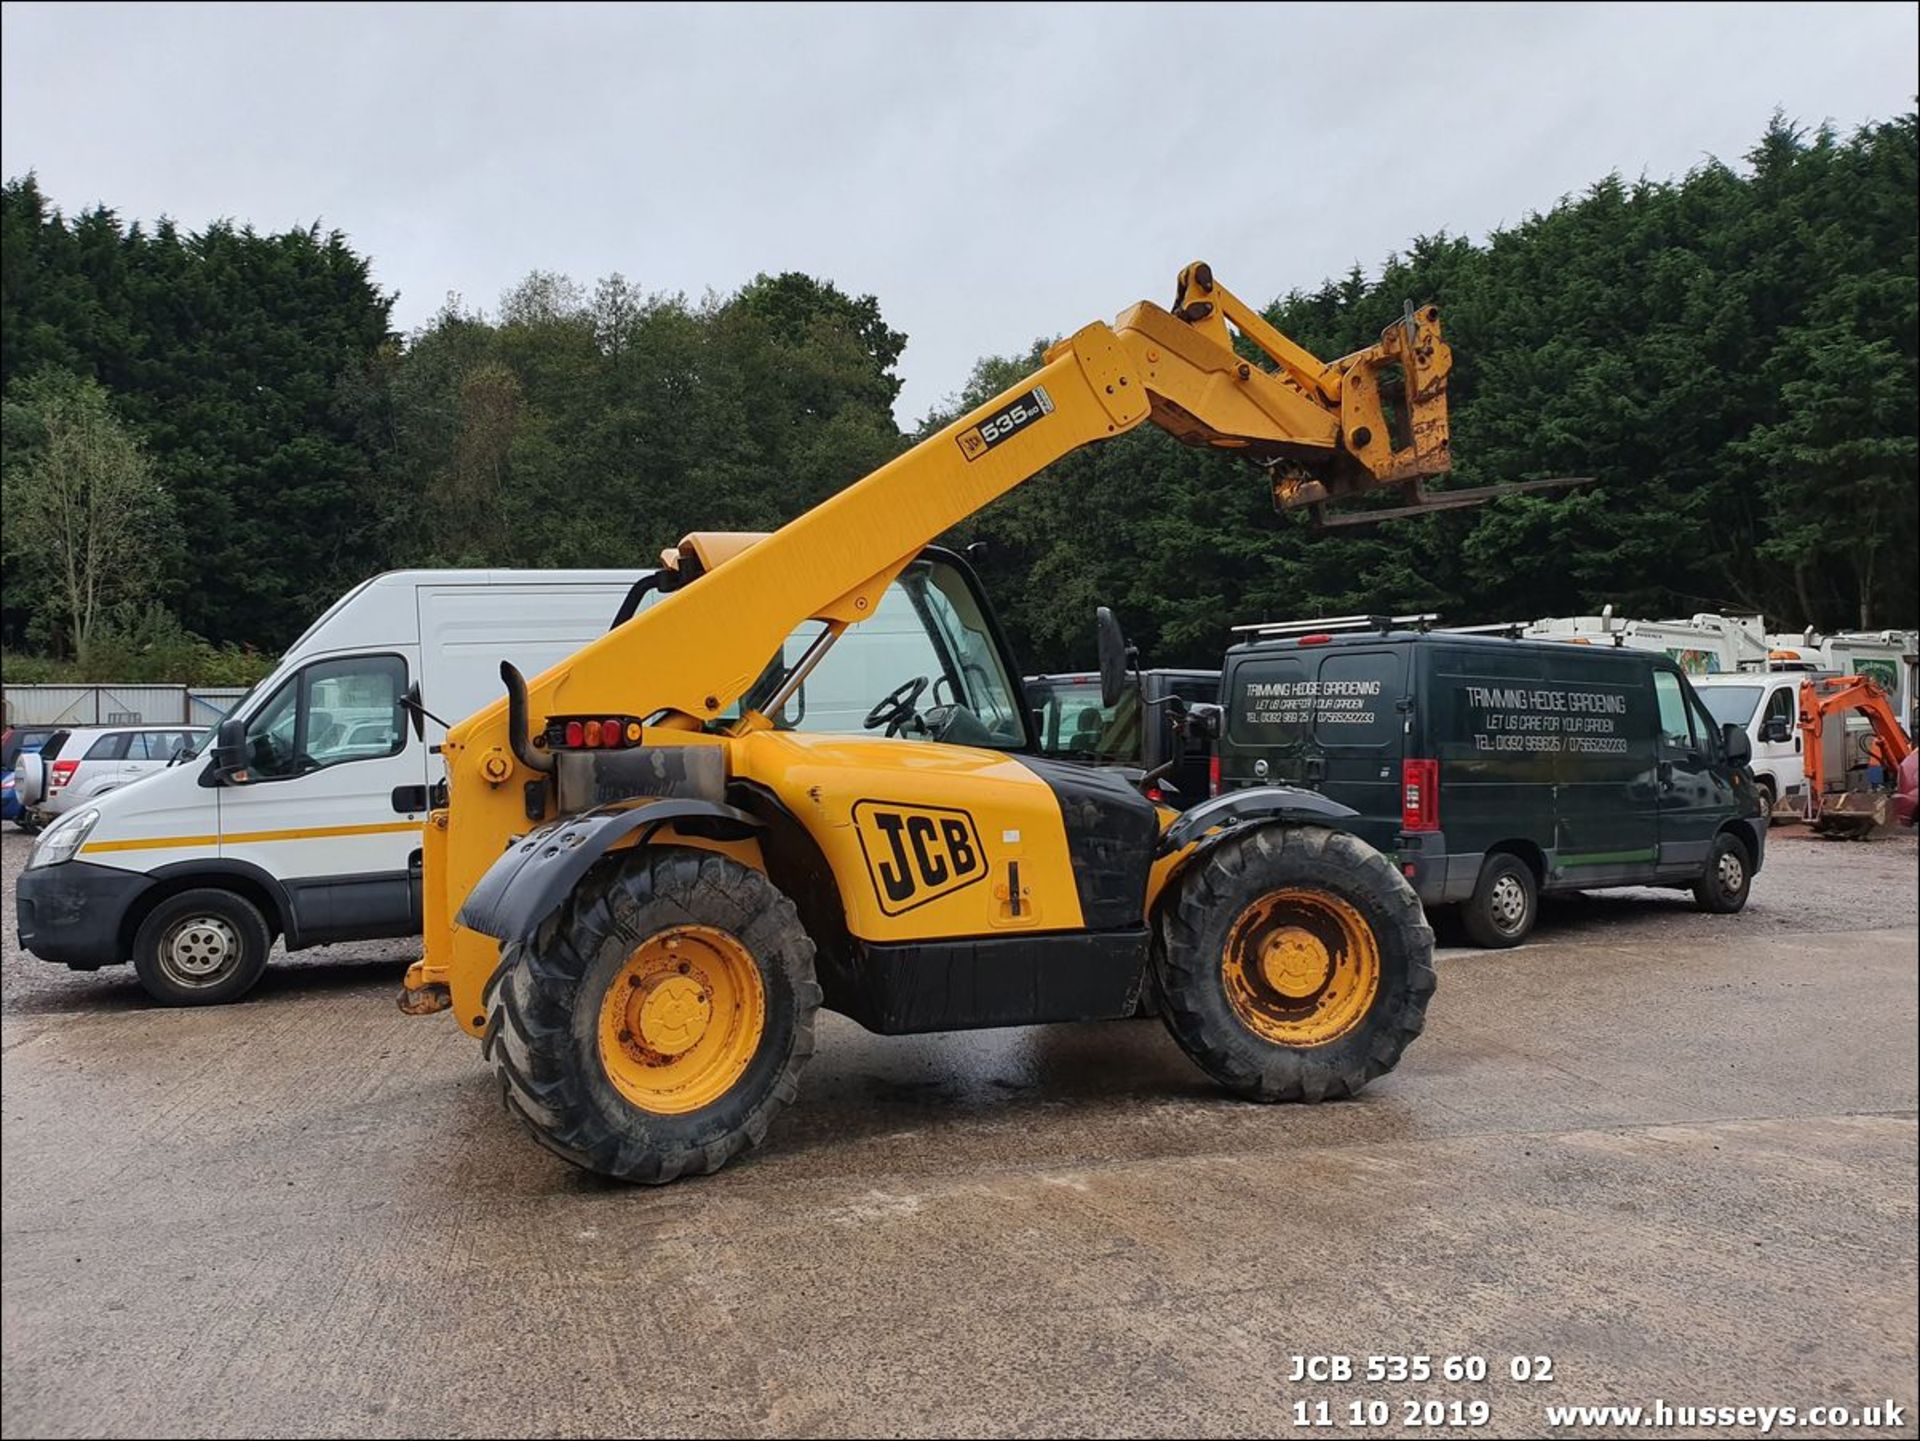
(1666, 775)
(1316, 768)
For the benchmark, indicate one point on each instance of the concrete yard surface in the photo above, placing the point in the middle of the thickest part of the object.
(1675, 1153)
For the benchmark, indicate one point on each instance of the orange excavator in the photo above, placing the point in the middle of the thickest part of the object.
(1852, 775)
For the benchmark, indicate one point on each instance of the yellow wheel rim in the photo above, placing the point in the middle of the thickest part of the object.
(682, 1020)
(1301, 967)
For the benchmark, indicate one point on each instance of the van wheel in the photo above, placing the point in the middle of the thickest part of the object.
(1723, 886)
(1767, 800)
(1296, 964)
(201, 948)
(655, 1027)
(1504, 904)
(30, 823)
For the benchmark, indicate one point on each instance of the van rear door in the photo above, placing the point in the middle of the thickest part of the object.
(1359, 733)
(1332, 720)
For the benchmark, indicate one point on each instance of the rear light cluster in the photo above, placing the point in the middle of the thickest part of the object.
(592, 733)
(61, 773)
(1213, 774)
(1419, 795)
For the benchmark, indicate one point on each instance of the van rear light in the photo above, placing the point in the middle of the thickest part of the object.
(576, 734)
(593, 733)
(1419, 795)
(610, 732)
(1213, 774)
(62, 773)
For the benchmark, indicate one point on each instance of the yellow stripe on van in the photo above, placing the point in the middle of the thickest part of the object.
(240, 838)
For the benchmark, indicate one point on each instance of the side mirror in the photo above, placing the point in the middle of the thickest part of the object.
(1735, 741)
(1206, 720)
(1113, 657)
(1775, 731)
(411, 701)
(230, 749)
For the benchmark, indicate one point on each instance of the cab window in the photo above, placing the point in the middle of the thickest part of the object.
(1676, 724)
(1074, 725)
(928, 627)
(1782, 712)
(327, 714)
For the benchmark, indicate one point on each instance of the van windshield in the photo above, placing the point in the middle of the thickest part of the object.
(1729, 704)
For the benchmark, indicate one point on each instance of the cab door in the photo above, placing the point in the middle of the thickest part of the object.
(1776, 744)
(1694, 795)
(326, 753)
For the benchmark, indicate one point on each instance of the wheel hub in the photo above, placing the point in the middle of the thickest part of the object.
(1509, 903)
(670, 1014)
(1295, 962)
(200, 947)
(1301, 966)
(682, 1019)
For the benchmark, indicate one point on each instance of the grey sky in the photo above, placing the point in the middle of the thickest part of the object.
(991, 173)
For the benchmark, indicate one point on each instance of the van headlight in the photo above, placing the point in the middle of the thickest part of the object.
(63, 838)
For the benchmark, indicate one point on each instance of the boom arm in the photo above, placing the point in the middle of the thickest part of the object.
(1325, 430)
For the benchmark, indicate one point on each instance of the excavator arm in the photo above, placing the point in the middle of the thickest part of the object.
(1326, 431)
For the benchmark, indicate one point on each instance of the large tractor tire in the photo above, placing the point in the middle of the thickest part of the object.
(1295, 964)
(656, 1025)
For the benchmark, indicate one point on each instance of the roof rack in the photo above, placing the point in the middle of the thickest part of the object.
(1511, 629)
(1336, 622)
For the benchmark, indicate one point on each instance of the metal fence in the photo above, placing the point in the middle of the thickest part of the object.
(117, 704)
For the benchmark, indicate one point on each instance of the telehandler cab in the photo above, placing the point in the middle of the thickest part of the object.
(658, 858)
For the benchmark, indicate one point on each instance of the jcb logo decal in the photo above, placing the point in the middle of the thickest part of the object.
(916, 854)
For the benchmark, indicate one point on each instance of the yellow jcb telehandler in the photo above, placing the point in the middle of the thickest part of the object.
(800, 770)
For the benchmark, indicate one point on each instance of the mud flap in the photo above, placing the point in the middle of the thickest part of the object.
(541, 868)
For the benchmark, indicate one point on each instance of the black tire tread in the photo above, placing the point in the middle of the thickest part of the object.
(1475, 922)
(529, 1034)
(1226, 880)
(1707, 894)
(254, 928)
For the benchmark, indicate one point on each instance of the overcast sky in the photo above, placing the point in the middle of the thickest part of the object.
(991, 173)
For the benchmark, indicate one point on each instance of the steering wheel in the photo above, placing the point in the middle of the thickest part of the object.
(895, 708)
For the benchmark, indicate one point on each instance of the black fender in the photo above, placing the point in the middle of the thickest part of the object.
(1236, 811)
(541, 868)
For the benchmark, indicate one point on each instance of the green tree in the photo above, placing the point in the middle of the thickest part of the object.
(88, 515)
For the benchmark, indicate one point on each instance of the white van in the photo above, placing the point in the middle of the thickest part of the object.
(1765, 704)
(315, 837)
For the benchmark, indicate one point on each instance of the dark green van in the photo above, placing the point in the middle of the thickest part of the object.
(1494, 769)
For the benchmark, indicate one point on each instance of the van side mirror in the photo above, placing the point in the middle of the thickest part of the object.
(1775, 731)
(1113, 657)
(230, 749)
(1736, 743)
(411, 703)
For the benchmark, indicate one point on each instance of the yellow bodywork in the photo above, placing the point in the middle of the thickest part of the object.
(685, 660)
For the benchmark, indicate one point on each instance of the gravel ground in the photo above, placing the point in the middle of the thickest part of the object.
(1676, 1153)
